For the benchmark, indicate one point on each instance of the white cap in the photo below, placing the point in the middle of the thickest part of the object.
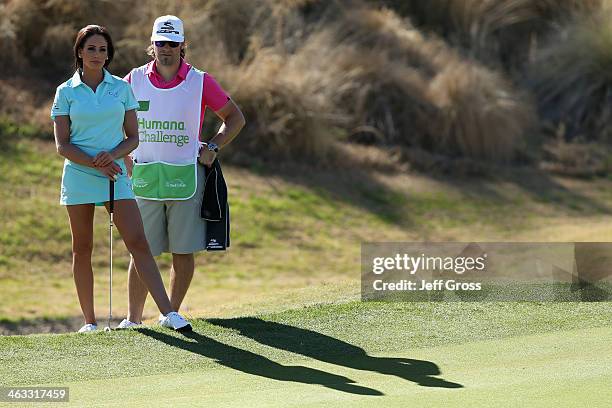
(168, 28)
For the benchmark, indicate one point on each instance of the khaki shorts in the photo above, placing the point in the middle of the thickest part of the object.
(175, 225)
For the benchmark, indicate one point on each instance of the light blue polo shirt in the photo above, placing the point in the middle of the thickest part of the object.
(96, 124)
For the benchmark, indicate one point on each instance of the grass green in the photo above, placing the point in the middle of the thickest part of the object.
(277, 318)
(291, 228)
(566, 371)
(333, 354)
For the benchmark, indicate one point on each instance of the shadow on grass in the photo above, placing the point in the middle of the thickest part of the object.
(362, 188)
(40, 325)
(330, 350)
(255, 364)
(357, 186)
(543, 187)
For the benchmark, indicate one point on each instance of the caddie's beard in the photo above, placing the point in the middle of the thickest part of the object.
(165, 60)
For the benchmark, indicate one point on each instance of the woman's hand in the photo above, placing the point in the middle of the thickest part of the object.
(111, 170)
(102, 159)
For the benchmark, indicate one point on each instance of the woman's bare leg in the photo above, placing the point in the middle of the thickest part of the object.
(81, 226)
(129, 223)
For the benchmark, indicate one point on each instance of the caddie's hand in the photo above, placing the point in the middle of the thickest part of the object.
(102, 159)
(111, 171)
(207, 157)
(129, 165)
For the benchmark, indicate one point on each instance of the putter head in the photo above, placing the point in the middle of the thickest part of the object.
(107, 329)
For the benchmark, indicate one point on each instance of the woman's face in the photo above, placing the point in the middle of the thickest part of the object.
(94, 52)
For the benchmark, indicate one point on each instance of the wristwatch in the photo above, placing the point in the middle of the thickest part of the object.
(212, 147)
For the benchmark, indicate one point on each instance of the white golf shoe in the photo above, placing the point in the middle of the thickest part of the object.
(126, 324)
(89, 327)
(175, 321)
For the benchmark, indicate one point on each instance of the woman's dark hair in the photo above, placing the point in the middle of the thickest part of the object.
(82, 36)
(151, 50)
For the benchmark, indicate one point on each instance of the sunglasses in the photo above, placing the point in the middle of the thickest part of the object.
(161, 44)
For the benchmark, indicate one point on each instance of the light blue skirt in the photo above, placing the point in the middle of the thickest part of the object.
(86, 185)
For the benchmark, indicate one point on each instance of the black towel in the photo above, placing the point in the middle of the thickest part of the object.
(215, 209)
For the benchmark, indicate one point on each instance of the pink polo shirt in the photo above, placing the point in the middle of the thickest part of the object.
(213, 95)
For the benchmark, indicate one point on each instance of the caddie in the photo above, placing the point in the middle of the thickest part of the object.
(168, 169)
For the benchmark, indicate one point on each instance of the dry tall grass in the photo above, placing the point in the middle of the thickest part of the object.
(370, 76)
(572, 79)
(503, 33)
(41, 33)
(283, 117)
(408, 89)
(481, 115)
(309, 73)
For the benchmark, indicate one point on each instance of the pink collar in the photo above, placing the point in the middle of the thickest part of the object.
(184, 68)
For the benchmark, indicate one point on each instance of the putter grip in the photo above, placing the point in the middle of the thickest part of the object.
(111, 191)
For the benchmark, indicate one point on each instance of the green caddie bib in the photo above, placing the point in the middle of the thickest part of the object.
(164, 181)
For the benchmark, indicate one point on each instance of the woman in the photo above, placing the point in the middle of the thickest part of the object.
(91, 111)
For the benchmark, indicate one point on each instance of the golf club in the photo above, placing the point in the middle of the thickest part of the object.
(111, 186)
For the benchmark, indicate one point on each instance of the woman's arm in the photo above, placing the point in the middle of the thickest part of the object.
(131, 129)
(127, 145)
(61, 130)
(130, 125)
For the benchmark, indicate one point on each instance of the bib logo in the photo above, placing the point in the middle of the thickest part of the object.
(143, 106)
(160, 124)
(140, 183)
(159, 134)
(168, 28)
(176, 183)
(213, 244)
